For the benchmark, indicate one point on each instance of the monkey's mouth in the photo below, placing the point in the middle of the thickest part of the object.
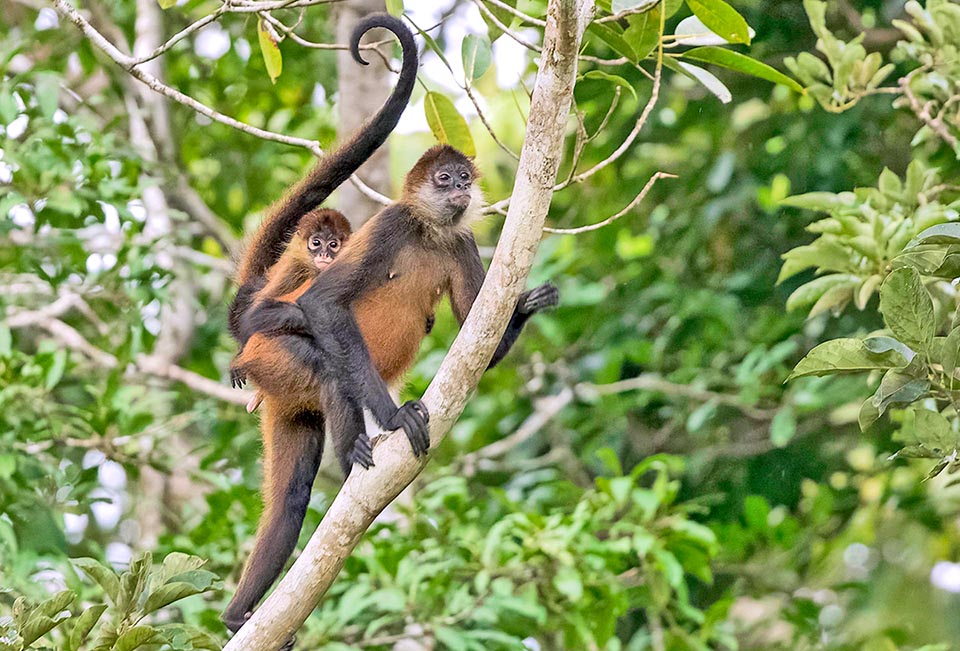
(460, 200)
(322, 263)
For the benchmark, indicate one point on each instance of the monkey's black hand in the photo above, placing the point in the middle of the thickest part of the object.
(539, 298)
(413, 417)
(238, 377)
(362, 452)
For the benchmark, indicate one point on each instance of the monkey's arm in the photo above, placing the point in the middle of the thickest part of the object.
(465, 286)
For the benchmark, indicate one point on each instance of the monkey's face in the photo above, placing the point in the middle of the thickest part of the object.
(323, 246)
(453, 188)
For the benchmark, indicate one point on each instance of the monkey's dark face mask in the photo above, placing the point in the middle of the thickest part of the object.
(454, 185)
(323, 249)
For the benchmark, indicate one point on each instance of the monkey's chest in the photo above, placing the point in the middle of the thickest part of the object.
(393, 317)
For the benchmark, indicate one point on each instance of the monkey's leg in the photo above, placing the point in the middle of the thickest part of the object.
(351, 443)
(337, 338)
(292, 445)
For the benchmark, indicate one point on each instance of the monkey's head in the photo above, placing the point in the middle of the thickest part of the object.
(444, 180)
(325, 232)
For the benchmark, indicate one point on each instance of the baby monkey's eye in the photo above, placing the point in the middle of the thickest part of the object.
(334, 244)
(443, 176)
(464, 176)
(315, 242)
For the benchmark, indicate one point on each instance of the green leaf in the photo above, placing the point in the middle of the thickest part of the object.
(136, 637)
(166, 4)
(167, 594)
(708, 80)
(55, 372)
(933, 431)
(882, 344)
(615, 79)
(783, 427)
(502, 15)
(809, 293)
(477, 56)
(938, 234)
(568, 583)
(950, 352)
(177, 563)
(35, 628)
(447, 125)
(747, 65)
(395, 7)
(907, 308)
(47, 89)
(614, 39)
(819, 201)
(272, 58)
(85, 623)
(722, 19)
(106, 577)
(845, 356)
(616, 6)
(643, 32)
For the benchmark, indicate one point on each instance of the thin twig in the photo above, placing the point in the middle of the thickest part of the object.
(519, 14)
(502, 205)
(612, 218)
(506, 30)
(922, 111)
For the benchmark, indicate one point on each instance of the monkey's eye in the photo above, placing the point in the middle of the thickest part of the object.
(443, 176)
(464, 176)
(315, 242)
(334, 245)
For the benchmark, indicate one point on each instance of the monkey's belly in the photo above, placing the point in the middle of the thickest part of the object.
(392, 331)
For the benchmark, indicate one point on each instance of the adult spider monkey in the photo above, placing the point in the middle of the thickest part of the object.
(366, 312)
(357, 327)
(293, 429)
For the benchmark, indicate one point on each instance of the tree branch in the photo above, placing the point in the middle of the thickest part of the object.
(367, 492)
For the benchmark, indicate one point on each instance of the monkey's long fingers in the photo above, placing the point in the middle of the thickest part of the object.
(237, 378)
(540, 298)
(362, 453)
(415, 417)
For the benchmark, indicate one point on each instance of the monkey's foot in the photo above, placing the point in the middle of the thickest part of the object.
(362, 452)
(540, 298)
(288, 645)
(238, 378)
(233, 622)
(413, 417)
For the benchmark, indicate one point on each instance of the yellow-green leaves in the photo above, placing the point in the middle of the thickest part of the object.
(395, 7)
(477, 56)
(270, 49)
(721, 19)
(166, 4)
(447, 125)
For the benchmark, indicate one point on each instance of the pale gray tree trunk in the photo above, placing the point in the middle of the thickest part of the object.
(361, 91)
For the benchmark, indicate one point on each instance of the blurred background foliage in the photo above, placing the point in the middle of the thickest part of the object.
(662, 486)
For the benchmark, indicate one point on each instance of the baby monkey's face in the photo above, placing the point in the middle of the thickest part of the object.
(323, 247)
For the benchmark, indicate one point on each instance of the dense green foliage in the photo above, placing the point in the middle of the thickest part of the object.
(665, 487)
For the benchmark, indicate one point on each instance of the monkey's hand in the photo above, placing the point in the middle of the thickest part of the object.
(413, 417)
(539, 298)
(238, 377)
